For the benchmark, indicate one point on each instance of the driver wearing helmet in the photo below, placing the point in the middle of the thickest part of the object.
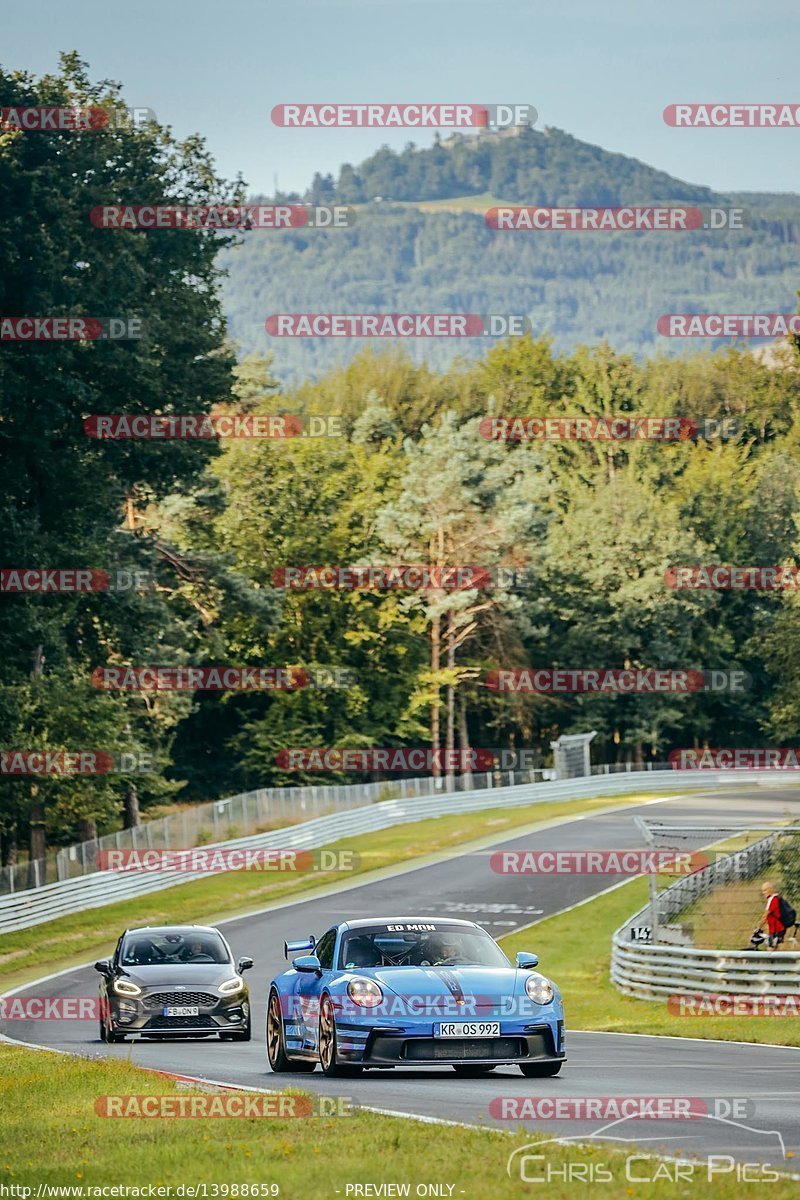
(442, 950)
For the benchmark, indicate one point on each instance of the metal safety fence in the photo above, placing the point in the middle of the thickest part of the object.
(653, 970)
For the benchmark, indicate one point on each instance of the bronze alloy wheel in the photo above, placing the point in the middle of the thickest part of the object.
(327, 1037)
(326, 1043)
(276, 1051)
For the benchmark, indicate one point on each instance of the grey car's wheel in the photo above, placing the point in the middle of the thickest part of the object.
(326, 1043)
(113, 1037)
(276, 1049)
(472, 1069)
(540, 1070)
(107, 1033)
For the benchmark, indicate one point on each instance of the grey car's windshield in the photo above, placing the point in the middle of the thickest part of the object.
(424, 946)
(152, 949)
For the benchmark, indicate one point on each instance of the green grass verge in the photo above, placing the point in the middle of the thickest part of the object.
(50, 1134)
(575, 950)
(71, 940)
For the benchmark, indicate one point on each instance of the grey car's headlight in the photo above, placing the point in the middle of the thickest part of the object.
(364, 992)
(125, 987)
(539, 989)
(231, 986)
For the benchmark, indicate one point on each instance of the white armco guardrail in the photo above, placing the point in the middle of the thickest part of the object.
(24, 909)
(651, 972)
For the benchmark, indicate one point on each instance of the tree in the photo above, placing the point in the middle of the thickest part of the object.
(463, 501)
(69, 500)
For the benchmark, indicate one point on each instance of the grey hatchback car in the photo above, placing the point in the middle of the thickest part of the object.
(173, 981)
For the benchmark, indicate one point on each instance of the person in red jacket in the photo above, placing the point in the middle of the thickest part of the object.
(772, 916)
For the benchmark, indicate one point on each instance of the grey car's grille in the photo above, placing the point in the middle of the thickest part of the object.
(163, 999)
(201, 1022)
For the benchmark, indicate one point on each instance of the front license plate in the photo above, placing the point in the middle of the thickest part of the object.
(181, 1010)
(468, 1029)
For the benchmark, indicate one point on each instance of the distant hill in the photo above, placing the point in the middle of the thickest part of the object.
(420, 244)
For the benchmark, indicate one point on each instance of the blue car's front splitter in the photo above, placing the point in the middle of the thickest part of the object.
(393, 1045)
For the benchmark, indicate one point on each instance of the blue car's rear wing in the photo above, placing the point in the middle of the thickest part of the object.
(290, 948)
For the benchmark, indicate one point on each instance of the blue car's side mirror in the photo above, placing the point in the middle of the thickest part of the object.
(307, 962)
(526, 961)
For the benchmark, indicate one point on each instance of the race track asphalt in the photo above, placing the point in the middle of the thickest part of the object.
(600, 1064)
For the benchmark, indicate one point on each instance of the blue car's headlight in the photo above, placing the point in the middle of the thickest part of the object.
(539, 989)
(364, 992)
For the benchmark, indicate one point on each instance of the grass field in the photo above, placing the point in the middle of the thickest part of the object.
(71, 940)
(51, 1134)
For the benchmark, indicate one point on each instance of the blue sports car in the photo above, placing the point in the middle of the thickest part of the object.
(405, 992)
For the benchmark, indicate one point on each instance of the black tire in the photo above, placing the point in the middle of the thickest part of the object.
(540, 1070)
(106, 1031)
(472, 1070)
(277, 1057)
(326, 1043)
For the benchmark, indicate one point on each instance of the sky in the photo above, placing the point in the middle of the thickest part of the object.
(603, 70)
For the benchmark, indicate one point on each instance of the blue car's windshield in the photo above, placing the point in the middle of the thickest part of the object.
(432, 944)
